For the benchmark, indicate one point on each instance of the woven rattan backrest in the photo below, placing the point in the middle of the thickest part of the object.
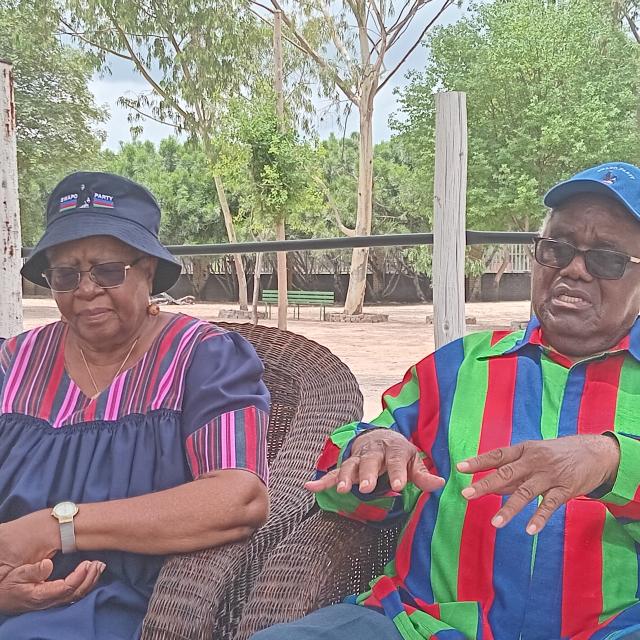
(282, 384)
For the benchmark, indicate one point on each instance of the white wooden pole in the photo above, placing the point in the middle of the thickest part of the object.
(449, 209)
(281, 233)
(10, 238)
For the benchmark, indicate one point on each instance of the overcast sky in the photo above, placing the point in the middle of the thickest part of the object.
(124, 81)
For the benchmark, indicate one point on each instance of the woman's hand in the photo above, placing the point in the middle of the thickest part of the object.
(557, 470)
(29, 539)
(25, 588)
(374, 453)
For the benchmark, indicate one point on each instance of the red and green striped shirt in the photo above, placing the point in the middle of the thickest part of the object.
(454, 575)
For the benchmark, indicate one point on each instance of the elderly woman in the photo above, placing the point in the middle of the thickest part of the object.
(126, 433)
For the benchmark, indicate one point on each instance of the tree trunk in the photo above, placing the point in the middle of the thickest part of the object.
(231, 233)
(257, 271)
(378, 263)
(200, 274)
(282, 277)
(359, 257)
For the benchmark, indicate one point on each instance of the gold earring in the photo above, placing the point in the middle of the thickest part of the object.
(153, 309)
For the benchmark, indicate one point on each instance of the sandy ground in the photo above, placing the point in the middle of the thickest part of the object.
(378, 354)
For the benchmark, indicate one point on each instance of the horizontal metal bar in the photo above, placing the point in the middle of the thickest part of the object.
(314, 244)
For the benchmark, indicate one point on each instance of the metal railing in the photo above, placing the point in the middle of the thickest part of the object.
(314, 244)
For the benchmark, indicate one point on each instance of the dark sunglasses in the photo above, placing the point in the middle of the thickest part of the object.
(600, 263)
(107, 275)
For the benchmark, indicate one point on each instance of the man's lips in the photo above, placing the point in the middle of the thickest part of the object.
(569, 298)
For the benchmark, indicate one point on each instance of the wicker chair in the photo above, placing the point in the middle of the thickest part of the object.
(325, 559)
(202, 595)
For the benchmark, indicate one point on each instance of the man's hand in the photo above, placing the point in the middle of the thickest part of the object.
(374, 453)
(557, 470)
(25, 588)
(29, 539)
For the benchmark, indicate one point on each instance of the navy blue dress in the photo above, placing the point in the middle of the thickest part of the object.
(194, 403)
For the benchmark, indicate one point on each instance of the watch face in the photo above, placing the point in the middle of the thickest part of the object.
(65, 510)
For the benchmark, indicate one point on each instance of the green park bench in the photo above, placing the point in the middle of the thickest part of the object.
(299, 298)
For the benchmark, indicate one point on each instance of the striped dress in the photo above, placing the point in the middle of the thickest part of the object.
(195, 402)
(454, 576)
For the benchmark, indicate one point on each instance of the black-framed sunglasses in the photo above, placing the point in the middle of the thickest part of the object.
(605, 264)
(107, 275)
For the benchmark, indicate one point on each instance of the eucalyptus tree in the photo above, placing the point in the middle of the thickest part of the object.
(194, 55)
(57, 117)
(351, 43)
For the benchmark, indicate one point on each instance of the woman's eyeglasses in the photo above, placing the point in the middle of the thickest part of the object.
(600, 263)
(107, 275)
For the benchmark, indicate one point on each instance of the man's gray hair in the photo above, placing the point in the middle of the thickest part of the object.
(545, 222)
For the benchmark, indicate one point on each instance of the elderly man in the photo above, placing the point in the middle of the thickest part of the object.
(516, 455)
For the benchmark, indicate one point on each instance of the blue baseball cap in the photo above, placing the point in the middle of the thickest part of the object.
(90, 203)
(618, 180)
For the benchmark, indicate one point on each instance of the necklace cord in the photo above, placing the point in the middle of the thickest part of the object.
(86, 364)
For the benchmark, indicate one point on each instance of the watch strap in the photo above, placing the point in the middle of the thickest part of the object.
(67, 537)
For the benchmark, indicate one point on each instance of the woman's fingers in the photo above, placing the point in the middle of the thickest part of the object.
(77, 576)
(92, 576)
(75, 586)
(31, 573)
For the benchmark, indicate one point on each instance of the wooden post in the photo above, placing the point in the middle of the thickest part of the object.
(278, 82)
(449, 207)
(10, 238)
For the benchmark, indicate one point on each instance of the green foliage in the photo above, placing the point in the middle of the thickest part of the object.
(551, 89)
(193, 54)
(56, 113)
(269, 172)
(180, 176)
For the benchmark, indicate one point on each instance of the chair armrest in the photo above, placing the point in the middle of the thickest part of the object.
(325, 559)
(201, 595)
(189, 593)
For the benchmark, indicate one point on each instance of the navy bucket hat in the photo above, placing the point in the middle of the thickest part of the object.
(88, 204)
(618, 180)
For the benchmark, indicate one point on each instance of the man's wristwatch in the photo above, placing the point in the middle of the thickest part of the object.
(64, 513)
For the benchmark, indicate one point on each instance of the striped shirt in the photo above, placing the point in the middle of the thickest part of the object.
(210, 377)
(454, 575)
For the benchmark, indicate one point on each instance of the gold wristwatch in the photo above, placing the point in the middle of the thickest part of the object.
(64, 513)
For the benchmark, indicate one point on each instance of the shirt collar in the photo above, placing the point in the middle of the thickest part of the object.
(532, 336)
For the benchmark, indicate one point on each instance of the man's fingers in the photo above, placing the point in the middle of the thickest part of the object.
(348, 474)
(422, 478)
(503, 480)
(491, 460)
(327, 481)
(521, 497)
(552, 499)
(371, 466)
(397, 462)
